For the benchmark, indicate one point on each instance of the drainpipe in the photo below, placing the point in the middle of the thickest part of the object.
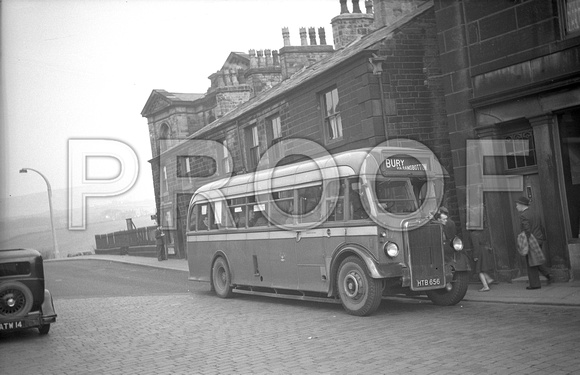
(377, 64)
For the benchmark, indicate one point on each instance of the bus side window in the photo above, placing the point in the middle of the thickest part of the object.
(284, 201)
(206, 219)
(308, 199)
(357, 210)
(257, 218)
(338, 213)
(192, 218)
(238, 212)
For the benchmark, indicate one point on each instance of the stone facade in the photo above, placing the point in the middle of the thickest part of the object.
(510, 71)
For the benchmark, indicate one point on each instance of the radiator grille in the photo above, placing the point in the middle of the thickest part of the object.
(425, 246)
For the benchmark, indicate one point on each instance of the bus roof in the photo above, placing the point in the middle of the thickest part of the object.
(296, 175)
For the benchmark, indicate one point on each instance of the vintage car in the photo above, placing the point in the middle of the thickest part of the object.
(24, 302)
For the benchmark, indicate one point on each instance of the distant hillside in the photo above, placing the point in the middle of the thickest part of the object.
(26, 223)
(36, 204)
(19, 233)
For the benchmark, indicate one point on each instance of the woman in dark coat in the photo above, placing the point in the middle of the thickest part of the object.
(483, 257)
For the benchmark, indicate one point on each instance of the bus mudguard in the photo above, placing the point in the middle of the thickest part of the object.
(344, 251)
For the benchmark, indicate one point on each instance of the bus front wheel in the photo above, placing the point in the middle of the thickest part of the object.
(221, 278)
(444, 297)
(359, 293)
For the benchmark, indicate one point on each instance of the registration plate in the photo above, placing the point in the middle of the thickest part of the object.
(18, 324)
(421, 283)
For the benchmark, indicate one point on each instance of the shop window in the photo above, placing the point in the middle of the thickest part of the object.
(516, 159)
(570, 16)
(569, 124)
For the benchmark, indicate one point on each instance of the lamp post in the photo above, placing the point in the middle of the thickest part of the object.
(54, 244)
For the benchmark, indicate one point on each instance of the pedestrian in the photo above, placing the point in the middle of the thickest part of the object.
(531, 227)
(160, 242)
(449, 229)
(483, 258)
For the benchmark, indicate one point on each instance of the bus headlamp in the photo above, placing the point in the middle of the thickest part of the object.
(457, 244)
(391, 249)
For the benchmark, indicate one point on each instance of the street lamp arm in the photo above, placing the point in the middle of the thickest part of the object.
(25, 170)
(49, 189)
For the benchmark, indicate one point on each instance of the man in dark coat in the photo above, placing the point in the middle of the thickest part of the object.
(160, 242)
(530, 224)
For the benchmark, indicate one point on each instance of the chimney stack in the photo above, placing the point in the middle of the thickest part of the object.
(389, 11)
(347, 27)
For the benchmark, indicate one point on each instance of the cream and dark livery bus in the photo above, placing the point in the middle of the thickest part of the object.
(350, 228)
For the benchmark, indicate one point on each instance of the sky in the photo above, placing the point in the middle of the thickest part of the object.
(84, 69)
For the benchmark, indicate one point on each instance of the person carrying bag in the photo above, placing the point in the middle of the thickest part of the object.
(530, 242)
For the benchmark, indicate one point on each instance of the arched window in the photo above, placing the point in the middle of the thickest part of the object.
(164, 133)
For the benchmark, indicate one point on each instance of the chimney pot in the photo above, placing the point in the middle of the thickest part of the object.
(286, 36)
(322, 36)
(303, 41)
(253, 61)
(369, 6)
(343, 7)
(312, 35)
(260, 58)
(355, 6)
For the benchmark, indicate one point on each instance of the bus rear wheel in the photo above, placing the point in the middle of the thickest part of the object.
(359, 293)
(444, 297)
(221, 278)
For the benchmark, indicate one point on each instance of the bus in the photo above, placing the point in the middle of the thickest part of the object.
(347, 228)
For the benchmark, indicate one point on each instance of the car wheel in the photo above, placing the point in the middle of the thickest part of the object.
(43, 329)
(15, 299)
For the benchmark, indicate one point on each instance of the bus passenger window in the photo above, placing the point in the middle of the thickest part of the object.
(192, 218)
(238, 212)
(206, 219)
(308, 199)
(337, 213)
(239, 215)
(257, 218)
(357, 210)
(284, 201)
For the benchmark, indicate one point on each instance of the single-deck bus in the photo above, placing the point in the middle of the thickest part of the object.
(350, 227)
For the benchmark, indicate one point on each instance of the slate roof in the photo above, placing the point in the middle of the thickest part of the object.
(316, 69)
(170, 97)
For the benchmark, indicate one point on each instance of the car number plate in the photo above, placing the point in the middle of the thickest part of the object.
(12, 325)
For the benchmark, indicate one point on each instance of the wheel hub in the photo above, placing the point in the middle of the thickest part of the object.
(11, 302)
(353, 285)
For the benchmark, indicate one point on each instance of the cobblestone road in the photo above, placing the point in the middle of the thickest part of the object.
(198, 333)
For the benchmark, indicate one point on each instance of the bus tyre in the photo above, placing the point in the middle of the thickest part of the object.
(221, 278)
(443, 297)
(15, 299)
(359, 293)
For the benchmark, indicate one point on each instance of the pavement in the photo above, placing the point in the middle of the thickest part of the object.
(557, 294)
